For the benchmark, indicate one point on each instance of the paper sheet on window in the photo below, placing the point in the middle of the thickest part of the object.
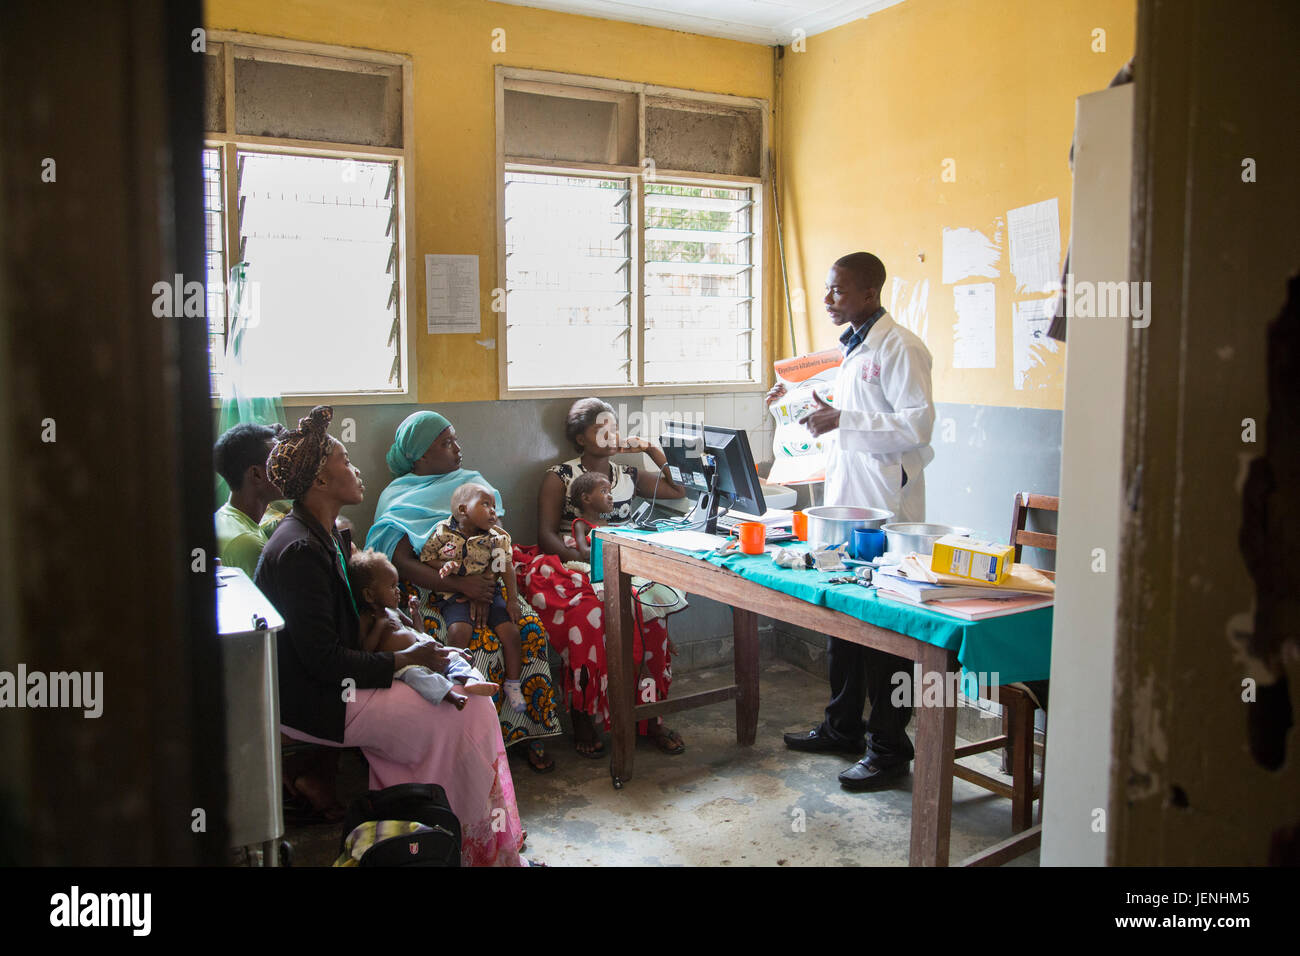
(975, 334)
(1034, 233)
(1029, 340)
(451, 294)
(969, 254)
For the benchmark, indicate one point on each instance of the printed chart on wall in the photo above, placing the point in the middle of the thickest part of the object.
(451, 294)
(798, 457)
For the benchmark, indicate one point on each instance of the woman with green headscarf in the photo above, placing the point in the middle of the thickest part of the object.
(425, 459)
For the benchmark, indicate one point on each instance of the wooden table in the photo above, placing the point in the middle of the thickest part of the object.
(936, 731)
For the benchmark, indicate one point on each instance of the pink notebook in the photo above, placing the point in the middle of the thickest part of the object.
(975, 609)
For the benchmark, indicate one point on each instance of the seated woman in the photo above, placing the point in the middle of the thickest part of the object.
(334, 693)
(425, 460)
(575, 615)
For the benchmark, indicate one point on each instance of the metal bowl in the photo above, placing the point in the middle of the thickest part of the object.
(906, 536)
(831, 525)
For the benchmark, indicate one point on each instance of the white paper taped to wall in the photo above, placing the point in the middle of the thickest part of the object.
(969, 254)
(975, 334)
(451, 294)
(1029, 339)
(914, 314)
(1034, 234)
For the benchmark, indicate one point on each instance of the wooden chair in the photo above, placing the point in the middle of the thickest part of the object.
(1019, 704)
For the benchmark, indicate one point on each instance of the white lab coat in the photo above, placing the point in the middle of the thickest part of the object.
(886, 416)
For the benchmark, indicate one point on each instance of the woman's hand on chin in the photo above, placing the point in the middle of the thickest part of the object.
(631, 443)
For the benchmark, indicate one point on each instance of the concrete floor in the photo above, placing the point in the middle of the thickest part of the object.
(717, 804)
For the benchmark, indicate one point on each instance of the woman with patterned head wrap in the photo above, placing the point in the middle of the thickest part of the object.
(425, 460)
(334, 693)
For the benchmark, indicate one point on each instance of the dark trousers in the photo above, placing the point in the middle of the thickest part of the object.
(859, 674)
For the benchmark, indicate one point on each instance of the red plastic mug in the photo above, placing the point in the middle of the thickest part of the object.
(753, 535)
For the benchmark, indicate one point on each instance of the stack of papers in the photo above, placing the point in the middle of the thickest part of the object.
(913, 583)
(975, 609)
(1021, 577)
(772, 517)
(686, 540)
(923, 592)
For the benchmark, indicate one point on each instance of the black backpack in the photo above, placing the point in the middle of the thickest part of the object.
(422, 803)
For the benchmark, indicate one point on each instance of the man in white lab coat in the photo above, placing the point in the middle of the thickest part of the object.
(878, 432)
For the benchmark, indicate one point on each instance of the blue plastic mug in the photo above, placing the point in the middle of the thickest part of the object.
(868, 543)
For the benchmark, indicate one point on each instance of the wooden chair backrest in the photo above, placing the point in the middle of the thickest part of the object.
(1025, 503)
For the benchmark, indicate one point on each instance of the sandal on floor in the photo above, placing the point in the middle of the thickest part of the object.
(596, 753)
(538, 752)
(669, 742)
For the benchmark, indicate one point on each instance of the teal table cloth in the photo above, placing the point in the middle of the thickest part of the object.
(1014, 647)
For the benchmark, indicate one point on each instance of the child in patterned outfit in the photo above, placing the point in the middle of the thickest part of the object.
(372, 579)
(471, 542)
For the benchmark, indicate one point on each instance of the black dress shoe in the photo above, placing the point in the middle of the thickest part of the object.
(814, 741)
(870, 774)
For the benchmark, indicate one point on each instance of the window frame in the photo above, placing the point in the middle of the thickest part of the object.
(578, 86)
(300, 52)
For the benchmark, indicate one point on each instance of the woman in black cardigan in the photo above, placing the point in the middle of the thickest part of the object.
(334, 693)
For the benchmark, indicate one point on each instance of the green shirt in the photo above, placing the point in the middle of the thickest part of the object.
(239, 538)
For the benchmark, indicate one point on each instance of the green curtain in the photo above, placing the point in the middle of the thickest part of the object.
(246, 393)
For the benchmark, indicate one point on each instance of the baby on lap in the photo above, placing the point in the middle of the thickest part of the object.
(472, 542)
(384, 627)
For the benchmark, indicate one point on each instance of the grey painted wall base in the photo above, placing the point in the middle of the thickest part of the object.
(983, 457)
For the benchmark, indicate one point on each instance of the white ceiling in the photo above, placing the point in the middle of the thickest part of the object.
(770, 22)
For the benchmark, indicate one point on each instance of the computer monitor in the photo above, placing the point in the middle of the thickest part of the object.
(715, 463)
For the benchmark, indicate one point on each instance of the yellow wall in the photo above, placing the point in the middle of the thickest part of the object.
(870, 111)
(450, 42)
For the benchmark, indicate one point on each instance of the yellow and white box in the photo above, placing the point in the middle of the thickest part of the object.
(968, 558)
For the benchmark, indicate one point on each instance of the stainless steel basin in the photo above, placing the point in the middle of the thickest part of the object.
(832, 525)
(907, 536)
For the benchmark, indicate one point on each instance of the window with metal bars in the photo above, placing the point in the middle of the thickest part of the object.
(320, 236)
(214, 264)
(573, 316)
(568, 280)
(306, 199)
(699, 284)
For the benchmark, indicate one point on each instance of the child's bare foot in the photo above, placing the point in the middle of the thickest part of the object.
(459, 700)
(586, 738)
(480, 688)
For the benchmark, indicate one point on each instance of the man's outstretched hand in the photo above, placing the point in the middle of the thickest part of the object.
(824, 418)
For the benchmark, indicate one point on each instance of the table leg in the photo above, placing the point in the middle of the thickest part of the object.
(619, 664)
(1020, 720)
(936, 736)
(744, 628)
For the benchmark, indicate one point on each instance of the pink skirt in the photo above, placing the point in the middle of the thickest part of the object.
(406, 739)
